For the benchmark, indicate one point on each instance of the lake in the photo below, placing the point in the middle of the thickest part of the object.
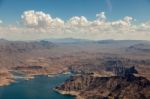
(41, 87)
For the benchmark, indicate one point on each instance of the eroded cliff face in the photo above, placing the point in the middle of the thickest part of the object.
(90, 87)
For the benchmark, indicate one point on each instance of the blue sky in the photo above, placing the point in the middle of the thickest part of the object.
(10, 10)
(83, 19)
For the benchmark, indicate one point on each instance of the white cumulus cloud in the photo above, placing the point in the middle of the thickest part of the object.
(78, 21)
(40, 19)
(40, 25)
(126, 21)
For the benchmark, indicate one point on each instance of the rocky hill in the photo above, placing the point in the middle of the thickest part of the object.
(115, 87)
(142, 47)
(21, 47)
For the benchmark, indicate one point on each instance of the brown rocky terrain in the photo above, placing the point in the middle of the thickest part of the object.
(5, 77)
(115, 87)
(44, 57)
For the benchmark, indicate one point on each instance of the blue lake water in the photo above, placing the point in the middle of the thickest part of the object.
(39, 88)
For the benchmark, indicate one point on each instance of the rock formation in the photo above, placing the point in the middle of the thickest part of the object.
(116, 87)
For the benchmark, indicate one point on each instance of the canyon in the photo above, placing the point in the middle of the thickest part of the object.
(83, 58)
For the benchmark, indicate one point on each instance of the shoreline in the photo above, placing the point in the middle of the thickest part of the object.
(72, 93)
(6, 81)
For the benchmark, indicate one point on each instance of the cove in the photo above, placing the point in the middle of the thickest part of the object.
(41, 87)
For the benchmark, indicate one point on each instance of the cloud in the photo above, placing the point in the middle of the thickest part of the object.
(57, 22)
(39, 25)
(39, 19)
(125, 22)
(1, 21)
(101, 16)
(145, 25)
(78, 21)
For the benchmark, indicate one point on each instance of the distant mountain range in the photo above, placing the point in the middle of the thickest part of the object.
(73, 40)
(69, 40)
(141, 47)
(17, 50)
(22, 46)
